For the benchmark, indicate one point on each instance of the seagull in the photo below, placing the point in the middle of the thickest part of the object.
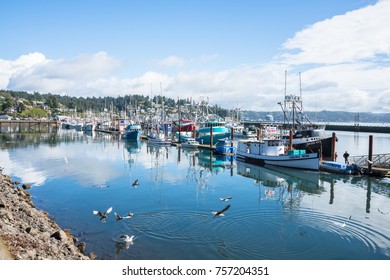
(103, 216)
(226, 198)
(128, 216)
(126, 238)
(136, 183)
(220, 213)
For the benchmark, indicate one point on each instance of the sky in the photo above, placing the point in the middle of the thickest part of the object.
(243, 54)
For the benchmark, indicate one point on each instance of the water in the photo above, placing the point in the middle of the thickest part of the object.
(279, 214)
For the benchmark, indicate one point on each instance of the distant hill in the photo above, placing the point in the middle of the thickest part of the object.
(325, 116)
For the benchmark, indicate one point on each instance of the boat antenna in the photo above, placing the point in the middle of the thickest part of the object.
(285, 90)
(300, 85)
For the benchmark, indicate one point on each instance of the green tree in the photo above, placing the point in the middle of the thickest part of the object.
(52, 102)
(7, 104)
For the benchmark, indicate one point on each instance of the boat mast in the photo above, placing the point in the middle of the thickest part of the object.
(300, 97)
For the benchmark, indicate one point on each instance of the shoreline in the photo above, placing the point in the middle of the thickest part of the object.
(27, 233)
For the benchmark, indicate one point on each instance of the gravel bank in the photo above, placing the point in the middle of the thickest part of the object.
(27, 233)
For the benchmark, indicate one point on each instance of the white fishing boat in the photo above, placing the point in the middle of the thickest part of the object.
(158, 138)
(190, 143)
(273, 152)
(89, 126)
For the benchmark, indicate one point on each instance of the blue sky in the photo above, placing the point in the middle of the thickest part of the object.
(233, 52)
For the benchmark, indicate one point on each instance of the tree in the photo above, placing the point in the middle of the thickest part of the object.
(7, 104)
(52, 102)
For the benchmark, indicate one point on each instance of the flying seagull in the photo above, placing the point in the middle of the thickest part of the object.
(220, 213)
(128, 216)
(126, 238)
(226, 198)
(136, 183)
(103, 216)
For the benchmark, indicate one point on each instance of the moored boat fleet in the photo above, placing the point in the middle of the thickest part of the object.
(295, 143)
(268, 148)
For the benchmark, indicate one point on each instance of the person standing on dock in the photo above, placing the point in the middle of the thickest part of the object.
(346, 155)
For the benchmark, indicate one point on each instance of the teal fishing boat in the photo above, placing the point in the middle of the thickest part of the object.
(215, 129)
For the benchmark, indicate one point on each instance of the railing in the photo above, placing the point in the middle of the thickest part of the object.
(380, 160)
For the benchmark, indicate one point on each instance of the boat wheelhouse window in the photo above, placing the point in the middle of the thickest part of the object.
(274, 143)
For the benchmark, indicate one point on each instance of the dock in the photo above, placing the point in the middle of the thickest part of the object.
(29, 125)
(107, 131)
(358, 128)
(380, 164)
(354, 127)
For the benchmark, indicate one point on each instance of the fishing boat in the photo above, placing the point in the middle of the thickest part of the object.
(306, 135)
(89, 126)
(158, 138)
(226, 146)
(190, 143)
(183, 125)
(273, 152)
(132, 131)
(211, 132)
(340, 168)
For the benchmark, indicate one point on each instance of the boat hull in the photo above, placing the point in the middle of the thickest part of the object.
(339, 168)
(205, 138)
(306, 161)
(132, 135)
(324, 145)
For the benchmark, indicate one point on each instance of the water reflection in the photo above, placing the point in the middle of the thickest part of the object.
(215, 162)
(284, 185)
(276, 213)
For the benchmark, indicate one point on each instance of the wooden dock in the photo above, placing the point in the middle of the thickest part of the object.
(107, 131)
(29, 125)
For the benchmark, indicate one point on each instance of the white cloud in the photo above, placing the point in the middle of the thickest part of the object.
(60, 76)
(171, 61)
(344, 62)
(356, 35)
(208, 57)
(8, 68)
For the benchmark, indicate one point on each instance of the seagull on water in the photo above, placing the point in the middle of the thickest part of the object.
(128, 216)
(126, 238)
(226, 198)
(136, 183)
(220, 213)
(103, 216)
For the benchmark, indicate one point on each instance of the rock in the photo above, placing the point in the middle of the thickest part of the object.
(81, 246)
(26, 186)
(59, 235)
(2, 203)
(56, 235)
(30, 234)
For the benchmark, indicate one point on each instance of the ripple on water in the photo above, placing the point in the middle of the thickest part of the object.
(346, 229)
(254, 234)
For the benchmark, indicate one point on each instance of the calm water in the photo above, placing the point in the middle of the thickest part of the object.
(275, 213)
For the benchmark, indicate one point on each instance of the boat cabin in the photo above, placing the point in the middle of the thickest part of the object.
(269, 147)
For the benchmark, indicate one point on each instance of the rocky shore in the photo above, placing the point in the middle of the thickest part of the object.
(27, 233)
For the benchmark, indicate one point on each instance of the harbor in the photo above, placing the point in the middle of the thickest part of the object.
(73, 173)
